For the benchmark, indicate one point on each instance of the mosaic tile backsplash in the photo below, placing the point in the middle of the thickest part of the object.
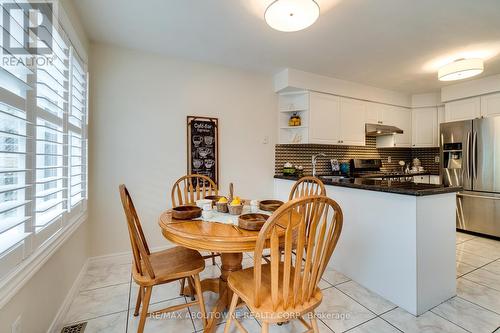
(301, 155)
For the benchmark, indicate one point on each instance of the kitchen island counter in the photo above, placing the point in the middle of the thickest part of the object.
(398, 239)
(390, 186)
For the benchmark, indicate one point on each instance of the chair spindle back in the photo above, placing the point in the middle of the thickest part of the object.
(190, 188)
(311, 226)
(307, 186)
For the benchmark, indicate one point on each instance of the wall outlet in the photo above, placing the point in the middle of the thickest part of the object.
(436, 158)
(16, 325)
(265, 140)
(389, 159)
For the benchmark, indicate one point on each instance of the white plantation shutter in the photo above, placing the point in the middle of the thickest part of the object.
(52, 100)
(13, 195)
(43, 144)
(77, 132)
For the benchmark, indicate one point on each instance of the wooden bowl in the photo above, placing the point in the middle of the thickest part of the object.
(270, 205)
(235, 210)
(186, 212)
(222, 207)
(252, 221)
(214, 198)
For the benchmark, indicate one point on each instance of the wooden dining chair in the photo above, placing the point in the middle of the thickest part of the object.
(304, 187)
(152, 269)
(287, 289)
(307, 186)
(186, 191)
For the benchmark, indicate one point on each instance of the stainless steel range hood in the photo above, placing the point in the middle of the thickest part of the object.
(379, 130)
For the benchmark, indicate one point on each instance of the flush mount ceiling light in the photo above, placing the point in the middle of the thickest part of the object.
(291, 15)
(461, 69)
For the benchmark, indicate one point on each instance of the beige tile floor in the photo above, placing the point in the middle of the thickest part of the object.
(107, 294)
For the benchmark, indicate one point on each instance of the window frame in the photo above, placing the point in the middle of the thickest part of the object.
(23, 259)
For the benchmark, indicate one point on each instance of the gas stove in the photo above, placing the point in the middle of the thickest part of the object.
(371, 168)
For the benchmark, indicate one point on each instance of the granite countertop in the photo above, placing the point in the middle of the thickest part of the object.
(424, 173)
(398, 187)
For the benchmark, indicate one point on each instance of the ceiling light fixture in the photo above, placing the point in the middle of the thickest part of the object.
(461, 69)
(291, 15)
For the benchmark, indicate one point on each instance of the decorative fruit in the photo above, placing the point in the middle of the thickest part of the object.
(236, 201)
(223, 200)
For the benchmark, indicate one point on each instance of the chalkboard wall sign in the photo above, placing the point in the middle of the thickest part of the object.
(203, 146)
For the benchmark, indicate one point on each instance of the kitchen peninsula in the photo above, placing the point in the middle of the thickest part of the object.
(398, 239)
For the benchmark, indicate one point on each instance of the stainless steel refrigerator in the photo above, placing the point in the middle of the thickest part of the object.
(470, 157)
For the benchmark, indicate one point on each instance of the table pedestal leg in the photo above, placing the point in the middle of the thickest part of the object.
(231, 262)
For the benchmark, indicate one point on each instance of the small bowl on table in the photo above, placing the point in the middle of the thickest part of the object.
(270, 205)
(235, 210)
(222, 207)
(214, 198)
(186, 212)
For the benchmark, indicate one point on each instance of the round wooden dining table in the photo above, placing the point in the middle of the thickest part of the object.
(227, 239)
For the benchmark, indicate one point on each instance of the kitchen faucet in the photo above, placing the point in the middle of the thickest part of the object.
(313, 161)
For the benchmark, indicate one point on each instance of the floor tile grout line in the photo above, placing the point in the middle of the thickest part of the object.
(456, 324)
(128, 305)
(350, 329)
(476, 303)
(93, 318)
(482, 284)
(94, 289)
(479, 305)
(356, 301)
(383, 313)
(388, 322)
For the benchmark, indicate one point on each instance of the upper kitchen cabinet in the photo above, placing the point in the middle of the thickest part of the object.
(490, 105)
(464, 109)
(325, 119)
(352, 122)
(384, 114)
(375, 113)
(425, 127)
(401, 118)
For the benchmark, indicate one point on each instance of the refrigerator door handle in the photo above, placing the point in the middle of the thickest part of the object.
(467, 153)
(474, 155)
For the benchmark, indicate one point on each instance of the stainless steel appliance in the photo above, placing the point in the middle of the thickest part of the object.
(371, 168)
(470, 157)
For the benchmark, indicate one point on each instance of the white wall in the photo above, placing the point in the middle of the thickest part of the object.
(40, 299)
(138, 134)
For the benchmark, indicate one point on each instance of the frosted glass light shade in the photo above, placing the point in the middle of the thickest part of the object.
(461, 69)
(291, 15)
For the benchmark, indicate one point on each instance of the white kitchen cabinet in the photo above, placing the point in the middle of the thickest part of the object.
(425, 127)
(324, 118)
(352, 122)
(464, 109)
(374, 113)
(490, 105)
(399, 117)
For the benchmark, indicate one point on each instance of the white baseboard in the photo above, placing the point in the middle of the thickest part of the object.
(56, 325)
(122, 257)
